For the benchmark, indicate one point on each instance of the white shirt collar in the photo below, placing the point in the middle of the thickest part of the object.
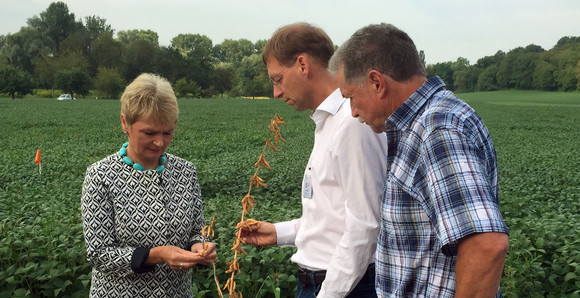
(330, 105)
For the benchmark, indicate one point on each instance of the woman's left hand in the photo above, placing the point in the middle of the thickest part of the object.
(176, 257)
(208, 255)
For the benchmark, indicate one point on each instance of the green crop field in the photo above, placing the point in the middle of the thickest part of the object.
(42, 251)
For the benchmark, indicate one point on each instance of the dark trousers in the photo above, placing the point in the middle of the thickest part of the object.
(310, 282)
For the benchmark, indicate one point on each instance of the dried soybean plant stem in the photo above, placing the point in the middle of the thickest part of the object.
(248, 202)
(217, 282)
(208, 233)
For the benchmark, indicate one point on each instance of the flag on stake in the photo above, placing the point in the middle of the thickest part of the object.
(37, 161)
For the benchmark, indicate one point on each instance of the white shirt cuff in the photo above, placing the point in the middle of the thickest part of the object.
(285, 233)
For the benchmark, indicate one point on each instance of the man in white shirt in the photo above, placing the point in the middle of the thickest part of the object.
(343, 180)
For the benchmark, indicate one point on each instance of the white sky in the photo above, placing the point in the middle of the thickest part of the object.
(444, 30)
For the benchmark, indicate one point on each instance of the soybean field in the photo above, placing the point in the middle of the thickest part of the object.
(42, 252)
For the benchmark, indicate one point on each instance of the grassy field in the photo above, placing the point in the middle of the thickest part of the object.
(41, 245)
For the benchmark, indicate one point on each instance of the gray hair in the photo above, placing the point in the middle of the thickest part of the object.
(381, 47)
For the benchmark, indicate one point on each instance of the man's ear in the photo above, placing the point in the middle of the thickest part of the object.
(377, 81)
(304, 64)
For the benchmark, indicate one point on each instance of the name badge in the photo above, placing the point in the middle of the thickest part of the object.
(307, 187)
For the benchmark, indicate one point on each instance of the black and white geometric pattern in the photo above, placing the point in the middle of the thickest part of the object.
(124, 209)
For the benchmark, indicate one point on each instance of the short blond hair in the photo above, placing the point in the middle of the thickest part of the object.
(149, 96)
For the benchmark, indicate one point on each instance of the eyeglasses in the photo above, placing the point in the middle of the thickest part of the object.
(277, 82)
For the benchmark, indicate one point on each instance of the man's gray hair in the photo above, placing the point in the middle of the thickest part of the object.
(381, 47)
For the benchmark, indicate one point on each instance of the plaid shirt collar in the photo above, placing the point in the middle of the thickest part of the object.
(404, 115)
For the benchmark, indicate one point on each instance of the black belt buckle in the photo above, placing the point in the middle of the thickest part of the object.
(306, 277)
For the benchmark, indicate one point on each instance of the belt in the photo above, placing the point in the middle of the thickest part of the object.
(311, 278)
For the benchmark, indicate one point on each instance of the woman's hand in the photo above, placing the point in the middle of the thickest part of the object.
(177, 258)
(208, 254)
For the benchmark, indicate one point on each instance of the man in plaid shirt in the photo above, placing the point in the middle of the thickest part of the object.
(441, 231)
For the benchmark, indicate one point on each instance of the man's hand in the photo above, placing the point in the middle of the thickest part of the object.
(262, 234)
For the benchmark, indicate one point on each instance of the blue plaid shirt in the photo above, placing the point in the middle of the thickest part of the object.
(441, 186)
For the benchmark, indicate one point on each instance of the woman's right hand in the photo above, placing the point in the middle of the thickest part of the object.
(208, 253)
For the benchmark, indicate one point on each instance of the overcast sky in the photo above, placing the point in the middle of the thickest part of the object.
(444, 30)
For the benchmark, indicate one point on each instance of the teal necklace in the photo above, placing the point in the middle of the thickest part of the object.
(138, 167)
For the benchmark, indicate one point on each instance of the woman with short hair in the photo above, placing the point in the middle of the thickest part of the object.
(141, 207)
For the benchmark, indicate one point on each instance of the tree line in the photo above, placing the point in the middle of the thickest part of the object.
(524, 68)
(55, 51)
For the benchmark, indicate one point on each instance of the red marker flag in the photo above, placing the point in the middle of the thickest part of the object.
(37, 159)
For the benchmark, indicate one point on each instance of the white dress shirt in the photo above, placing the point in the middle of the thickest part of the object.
(340, 208)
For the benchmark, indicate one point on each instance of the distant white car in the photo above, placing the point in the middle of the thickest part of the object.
(66, 97)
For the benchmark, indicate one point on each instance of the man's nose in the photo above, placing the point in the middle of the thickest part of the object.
(278, 92)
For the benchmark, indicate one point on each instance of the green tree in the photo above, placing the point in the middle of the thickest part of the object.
(224, 77)
(487, 79)
(49, 65)
(505, 72)
(523, 70)
(198, 52)
(517, 68)
(55, 22)
(466, 80)
(169, 63)
(139, 58)
(76, 42)
(109, 82)
(253, 77)
(543, 77)
(566, 58)
(139, 49)
(73, 81)
(444, 71)
(186, 88)
(93, 28)
(106, 52)
(460, 64)
(25, 47)
(14, 80)
(96, 26)
(129, 36)
(566, 40)
(464, 76)
(236, 50)
(259, 46)
(200, 45)
(219, 53)
(578, 76)
(422, 57)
